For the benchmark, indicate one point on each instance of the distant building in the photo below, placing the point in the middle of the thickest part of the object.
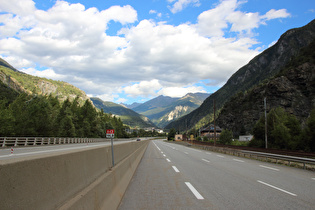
(246, 138)
(180, 137)
(149, 129)
(208, 131)
(159, 130)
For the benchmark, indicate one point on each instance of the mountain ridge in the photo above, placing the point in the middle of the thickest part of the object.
(263, 66)
(292, 89)
(164, 109)
(22, 82)
(128, 116)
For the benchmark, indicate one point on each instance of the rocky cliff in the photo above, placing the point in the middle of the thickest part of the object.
(263, 66)
(292, 89)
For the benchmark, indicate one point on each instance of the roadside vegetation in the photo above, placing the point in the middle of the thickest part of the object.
(32, 115)
(284, 131)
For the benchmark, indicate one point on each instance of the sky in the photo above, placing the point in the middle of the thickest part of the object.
(128, 51)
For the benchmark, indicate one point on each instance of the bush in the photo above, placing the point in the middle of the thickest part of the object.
(226, 137)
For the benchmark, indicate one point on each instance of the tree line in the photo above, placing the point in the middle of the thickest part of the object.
(33, 115)
(284, 131)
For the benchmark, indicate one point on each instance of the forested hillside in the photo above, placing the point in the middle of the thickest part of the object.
(33, 106)
(29, 84)
(31, 115)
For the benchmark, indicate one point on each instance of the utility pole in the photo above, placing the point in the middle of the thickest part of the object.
(266, 144)
(215, 133)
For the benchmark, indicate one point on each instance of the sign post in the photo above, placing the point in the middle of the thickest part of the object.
(110, 133)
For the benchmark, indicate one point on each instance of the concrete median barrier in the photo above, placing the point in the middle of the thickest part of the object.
(81, 179)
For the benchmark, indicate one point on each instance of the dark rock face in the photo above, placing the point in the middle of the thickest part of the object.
(263, 67)
(294, 91)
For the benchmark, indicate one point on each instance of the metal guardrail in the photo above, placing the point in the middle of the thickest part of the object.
(251, 154)
(281, 157)
(33, 141)
(37, 141)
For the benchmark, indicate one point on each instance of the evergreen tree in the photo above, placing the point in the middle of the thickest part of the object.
(309, 133)
(6, 120)
(226, 136)
(171, 134)
(39, 117)
(67, 128)
(19, 114)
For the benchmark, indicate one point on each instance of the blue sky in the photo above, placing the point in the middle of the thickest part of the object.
(131, 51)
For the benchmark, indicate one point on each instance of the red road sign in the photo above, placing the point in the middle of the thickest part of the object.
(110, 131)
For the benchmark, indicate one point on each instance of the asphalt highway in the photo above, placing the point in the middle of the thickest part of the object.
(172, 176)
(17, 152)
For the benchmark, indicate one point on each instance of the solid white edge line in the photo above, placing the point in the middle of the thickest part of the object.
(275, 169)
(277, 188)
(194, 191)
(239, 160)
(206, 160)
(175, 169)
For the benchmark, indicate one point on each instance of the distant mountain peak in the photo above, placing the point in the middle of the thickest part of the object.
(128, 116)
(164, 109)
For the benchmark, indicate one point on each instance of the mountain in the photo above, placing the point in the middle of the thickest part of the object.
(7, 65)
(293, 89)
(130, 106)
(155, 103)
(128, 116)
(164, 109)
(21, 82)
(265, 65)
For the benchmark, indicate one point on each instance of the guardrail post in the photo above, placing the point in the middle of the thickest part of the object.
(3, 143)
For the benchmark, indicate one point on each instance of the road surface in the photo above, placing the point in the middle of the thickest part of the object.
(172, 176)
(29, 151)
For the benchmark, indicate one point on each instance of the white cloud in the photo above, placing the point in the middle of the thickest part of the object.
(274, 14)
(146, 58)
(159, 15)
(152, 11)
(47, 73)
(212, 22)
(18, 7)
(144, 88)
(18, 62)
(107, 97)
(179, 5)
(215, 22)
(180, 91)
